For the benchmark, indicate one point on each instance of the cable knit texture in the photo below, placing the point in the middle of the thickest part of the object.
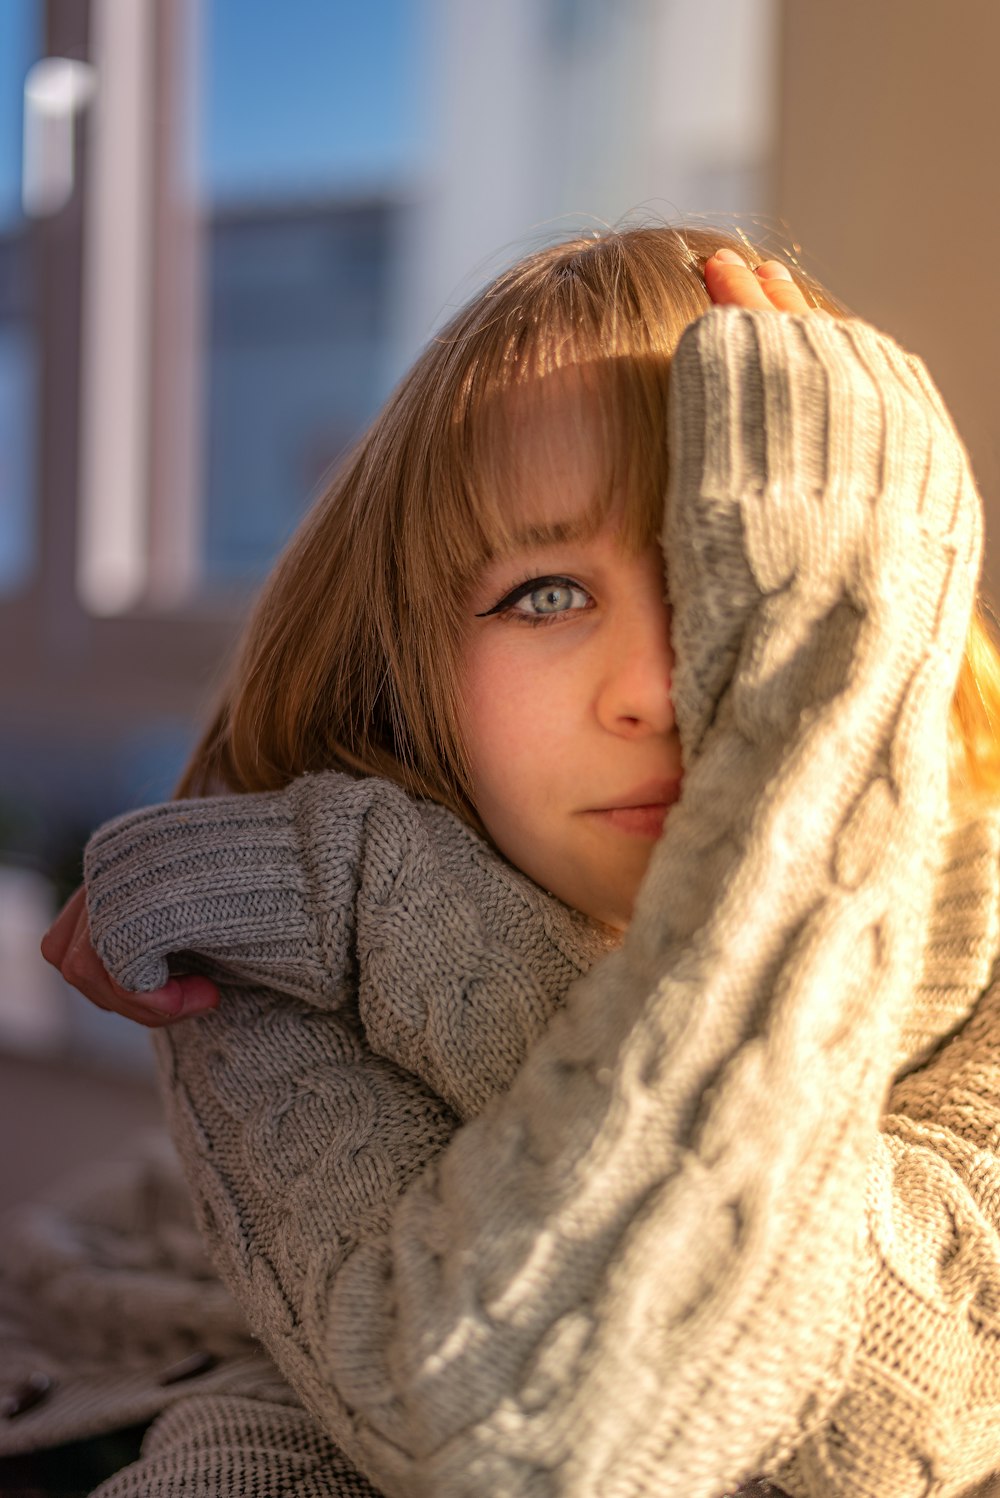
(726, 1206)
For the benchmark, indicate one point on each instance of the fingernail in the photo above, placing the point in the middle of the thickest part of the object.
(729, 257)
(167, 1000)
(773, 270)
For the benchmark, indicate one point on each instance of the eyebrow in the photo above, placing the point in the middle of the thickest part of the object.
(561, 531)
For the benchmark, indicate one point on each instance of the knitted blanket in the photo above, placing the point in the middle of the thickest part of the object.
(724, 1205)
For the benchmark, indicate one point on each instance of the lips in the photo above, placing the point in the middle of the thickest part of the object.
(651, 793)
(640, 812)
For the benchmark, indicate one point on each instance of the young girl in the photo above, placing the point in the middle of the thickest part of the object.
(520, 1204)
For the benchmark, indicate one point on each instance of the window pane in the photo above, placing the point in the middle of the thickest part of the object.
(298, 321)
(20, 46)
(310, 133)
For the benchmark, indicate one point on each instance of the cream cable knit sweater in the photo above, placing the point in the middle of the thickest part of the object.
(677, 1240)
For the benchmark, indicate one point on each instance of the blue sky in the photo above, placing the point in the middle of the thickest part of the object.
(301, 96)
(310, 93)
(20, 41)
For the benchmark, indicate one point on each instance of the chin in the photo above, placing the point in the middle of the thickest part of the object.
(615, 916)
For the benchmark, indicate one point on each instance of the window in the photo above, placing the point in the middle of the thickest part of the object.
(20, 46)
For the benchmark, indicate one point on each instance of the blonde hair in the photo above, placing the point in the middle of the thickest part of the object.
(350, 660)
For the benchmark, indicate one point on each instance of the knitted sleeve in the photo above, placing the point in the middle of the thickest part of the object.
(350, 897)
(648, 1265)
(919, 1412)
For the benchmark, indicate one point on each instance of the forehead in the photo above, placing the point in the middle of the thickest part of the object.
(552, 455)
(573, 449)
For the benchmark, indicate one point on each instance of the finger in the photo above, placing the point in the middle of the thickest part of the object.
(181, 998)
(779, 287)
(81, 966)
(731, 283)
(69, 947)
(59, 937)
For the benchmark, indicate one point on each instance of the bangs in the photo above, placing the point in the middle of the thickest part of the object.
(513, 448)
(578, 339)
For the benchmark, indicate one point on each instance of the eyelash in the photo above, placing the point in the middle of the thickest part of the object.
(506, 607)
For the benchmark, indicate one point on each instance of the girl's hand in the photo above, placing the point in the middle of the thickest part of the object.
(732, 283)
(68, 947)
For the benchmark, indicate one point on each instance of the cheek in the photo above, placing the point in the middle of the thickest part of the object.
(513, 723)
(492, 709)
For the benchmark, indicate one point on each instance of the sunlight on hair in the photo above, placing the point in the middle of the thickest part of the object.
(351, 659)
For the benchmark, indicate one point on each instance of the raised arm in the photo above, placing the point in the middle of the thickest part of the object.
(644, 1265)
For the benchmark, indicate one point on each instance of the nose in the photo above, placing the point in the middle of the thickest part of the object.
(634, 697)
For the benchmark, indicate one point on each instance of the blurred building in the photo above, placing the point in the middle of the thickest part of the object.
(297, 348)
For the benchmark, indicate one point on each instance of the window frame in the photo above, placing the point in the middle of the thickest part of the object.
(70, 666)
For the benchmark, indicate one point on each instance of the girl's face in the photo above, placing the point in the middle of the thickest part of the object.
(567, 714)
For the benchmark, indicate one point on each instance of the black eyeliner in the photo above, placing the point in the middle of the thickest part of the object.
(522, 591)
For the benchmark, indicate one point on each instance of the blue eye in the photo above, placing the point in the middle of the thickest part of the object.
(541, 599)
(551, 598)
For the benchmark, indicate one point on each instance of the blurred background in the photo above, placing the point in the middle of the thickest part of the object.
(227, 226)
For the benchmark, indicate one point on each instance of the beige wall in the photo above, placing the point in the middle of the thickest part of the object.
(888, 176)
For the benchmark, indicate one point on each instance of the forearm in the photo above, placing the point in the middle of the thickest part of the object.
(259, 888)
(331, 891)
